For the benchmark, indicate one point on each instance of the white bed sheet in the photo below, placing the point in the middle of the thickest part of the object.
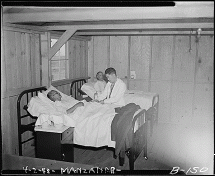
(92, 121)
(93, 124)
(143, 99)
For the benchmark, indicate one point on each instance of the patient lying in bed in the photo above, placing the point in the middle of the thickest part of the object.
(91, 122)
(61, 106)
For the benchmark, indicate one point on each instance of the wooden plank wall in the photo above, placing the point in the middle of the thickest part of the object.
(163, 64)
(140, 48)
(77, 58)
(22, 68)
(177, 67)
(98, 56)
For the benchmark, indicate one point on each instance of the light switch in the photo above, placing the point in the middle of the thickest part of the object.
(133, 75)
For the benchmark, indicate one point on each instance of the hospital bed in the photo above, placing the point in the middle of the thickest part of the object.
(149, 101)
(139, 123)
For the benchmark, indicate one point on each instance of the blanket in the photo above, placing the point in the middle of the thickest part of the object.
(121, 127)
(92, 121)
(93, 125)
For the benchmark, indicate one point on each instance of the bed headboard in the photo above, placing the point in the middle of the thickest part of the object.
(76, 86)
(22, 103)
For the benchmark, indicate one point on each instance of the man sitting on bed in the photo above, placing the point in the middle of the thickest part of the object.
(55, 96)
(114, 90)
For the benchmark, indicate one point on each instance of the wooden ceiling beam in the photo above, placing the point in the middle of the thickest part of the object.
(134, 26)
(57, 35)
(27, 27)
(137, 28)
(134, 21)
(60, 42)
(15, 29)
(126, 33)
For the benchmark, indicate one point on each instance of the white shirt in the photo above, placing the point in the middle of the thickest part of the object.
(116, 96)
(99, 86)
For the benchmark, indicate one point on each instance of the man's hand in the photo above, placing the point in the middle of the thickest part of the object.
(95, 95)
(102, 101)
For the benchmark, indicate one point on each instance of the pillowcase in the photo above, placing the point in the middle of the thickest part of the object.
(44, 98)
(40, 105)
(89, 89)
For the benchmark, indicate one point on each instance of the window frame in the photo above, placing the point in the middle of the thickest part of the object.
(66, 76)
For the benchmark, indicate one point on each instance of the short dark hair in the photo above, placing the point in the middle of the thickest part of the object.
(50, 93)
(110, 71)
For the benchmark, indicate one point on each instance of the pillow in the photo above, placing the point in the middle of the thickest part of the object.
(40, 104)
(89, 89)
(44, 98)
(143, 99)
(64, 96)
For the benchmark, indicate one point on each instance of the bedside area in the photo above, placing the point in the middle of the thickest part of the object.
(55, 143)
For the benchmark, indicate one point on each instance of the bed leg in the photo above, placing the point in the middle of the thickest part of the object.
(151, 126)
(156, 121)
(114, 155)
(131, 160)
(121, 161)
(121, 158)
(156, 116)
(145, 148)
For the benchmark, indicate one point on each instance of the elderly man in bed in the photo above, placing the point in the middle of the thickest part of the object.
(114, 90)
(55, 96)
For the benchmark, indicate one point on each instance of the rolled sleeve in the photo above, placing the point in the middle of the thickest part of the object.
(104, 93)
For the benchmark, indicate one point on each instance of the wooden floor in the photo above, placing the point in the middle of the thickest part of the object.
(169, 146)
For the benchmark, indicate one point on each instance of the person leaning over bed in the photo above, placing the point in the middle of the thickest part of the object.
(55, 96)
(114, 90)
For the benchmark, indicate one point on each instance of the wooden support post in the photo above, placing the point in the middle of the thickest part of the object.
(90, 61)
(61, 41)
(129, 61)
(150, 64)
(45, 59)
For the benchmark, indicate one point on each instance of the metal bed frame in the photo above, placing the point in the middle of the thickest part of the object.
(139, 137)
(152, 113)
(26, 127)
(75, 88)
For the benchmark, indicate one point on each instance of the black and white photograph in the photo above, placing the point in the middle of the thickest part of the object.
(108, 88)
